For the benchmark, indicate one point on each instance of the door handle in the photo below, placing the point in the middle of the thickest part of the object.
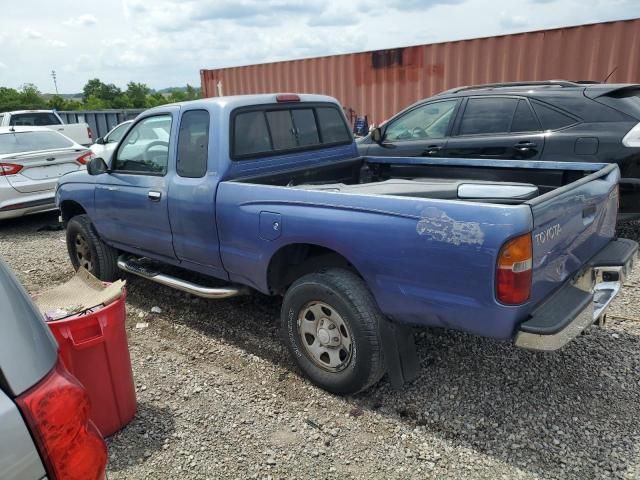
(155, 196)
(524, 146)
(431, 150)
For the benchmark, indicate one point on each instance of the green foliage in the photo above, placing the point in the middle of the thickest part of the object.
(96, 95)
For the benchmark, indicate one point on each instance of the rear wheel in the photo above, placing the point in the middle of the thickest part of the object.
(87, 250)
(330, 324)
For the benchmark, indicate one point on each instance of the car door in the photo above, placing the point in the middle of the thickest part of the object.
(131, 199)
(420, 131)
(193, 187)
(497, 127)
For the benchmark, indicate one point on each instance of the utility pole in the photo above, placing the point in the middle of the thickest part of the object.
(55, 83)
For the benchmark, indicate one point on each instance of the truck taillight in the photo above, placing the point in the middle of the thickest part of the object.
(9, 168)
(90, 133)
(57, 412)
(514, 271)
(85, 158)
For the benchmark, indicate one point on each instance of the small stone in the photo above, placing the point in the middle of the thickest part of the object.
(271, 461)
(315, 454)
(156, 310)
(142, 325)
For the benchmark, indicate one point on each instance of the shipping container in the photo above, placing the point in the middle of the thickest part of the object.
(380, 83)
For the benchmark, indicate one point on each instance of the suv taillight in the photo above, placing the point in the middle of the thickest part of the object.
(57, 412)
(632, 138)
(9, 168)
(514, 271)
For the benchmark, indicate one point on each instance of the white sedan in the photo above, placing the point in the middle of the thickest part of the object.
(32, 159)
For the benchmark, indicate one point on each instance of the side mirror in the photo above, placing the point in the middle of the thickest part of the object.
(97, 166)
(100, 141)
(376, 135)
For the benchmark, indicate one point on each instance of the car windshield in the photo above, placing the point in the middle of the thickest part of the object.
(21, 142)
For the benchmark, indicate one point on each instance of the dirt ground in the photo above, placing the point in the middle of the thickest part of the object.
(220, 398)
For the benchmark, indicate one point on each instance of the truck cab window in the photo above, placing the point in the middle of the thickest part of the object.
(37, 119)
(145, 149)
(193, 144)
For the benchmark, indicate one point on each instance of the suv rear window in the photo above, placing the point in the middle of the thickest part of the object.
(37, 119)
(626, 100)
(274, 129)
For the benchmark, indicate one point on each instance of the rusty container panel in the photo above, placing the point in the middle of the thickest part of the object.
(380, 83)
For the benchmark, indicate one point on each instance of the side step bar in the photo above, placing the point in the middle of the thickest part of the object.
(200, 291)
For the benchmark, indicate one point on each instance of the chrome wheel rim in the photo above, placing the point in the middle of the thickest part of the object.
(325, 336)
(83, 252)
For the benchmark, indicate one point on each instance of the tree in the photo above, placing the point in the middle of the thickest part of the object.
(94, 103)
(103, 91)
(57, 102)
(137, 93)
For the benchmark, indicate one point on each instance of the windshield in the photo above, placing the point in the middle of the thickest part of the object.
(21, 142)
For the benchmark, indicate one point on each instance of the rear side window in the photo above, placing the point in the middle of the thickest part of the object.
(274, 130)
(550, 118)
(193, 144)
(332, 126)
(21, 142)
(488, 115)
(523, 119)
(38, 119)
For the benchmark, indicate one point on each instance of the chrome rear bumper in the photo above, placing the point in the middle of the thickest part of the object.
(581, 301)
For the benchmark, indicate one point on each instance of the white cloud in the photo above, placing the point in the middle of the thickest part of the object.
(57, 43)
(3, 65)
(32, 34)
(84, 20)
(511, 22)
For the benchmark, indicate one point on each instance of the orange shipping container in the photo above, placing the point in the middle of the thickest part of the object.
(380, 83)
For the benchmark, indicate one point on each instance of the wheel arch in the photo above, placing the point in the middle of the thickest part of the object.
(295, 260)
(69, 209)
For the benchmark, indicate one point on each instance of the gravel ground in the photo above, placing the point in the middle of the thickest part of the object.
(219, 397)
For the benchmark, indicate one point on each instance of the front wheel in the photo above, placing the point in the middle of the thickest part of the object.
(87, 250)
(331, 325)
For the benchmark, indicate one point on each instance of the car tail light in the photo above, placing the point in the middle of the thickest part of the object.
(287, 97)
(85, 158)
(57, 412)
(514, 271)
(9, 168)
(90, 133)
(632, 138)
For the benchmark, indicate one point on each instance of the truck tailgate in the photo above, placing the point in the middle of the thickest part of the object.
(572, 224)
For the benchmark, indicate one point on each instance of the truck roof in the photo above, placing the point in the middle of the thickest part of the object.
(235, 101)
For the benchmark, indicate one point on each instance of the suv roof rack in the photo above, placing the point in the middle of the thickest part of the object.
(534, 83)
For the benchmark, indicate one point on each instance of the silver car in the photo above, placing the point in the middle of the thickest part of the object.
(32, 159)
(45, 431)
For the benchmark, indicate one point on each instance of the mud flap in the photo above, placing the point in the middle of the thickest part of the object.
(400, 354)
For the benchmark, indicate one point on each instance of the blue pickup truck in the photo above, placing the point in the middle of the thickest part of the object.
(267, 193)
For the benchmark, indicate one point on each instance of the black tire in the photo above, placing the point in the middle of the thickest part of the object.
(99, 258)
(345, 292)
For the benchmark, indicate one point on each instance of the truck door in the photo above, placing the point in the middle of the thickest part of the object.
(131, 200)
(192, 193)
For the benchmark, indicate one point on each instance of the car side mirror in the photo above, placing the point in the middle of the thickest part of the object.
(376, 135)
(97, 166)
(100, 141)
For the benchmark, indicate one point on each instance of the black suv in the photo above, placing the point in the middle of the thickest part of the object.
(550, 120)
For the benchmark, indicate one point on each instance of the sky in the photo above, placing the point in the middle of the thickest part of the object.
(166, 43)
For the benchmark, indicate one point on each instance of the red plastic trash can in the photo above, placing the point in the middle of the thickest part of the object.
(94, 348)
